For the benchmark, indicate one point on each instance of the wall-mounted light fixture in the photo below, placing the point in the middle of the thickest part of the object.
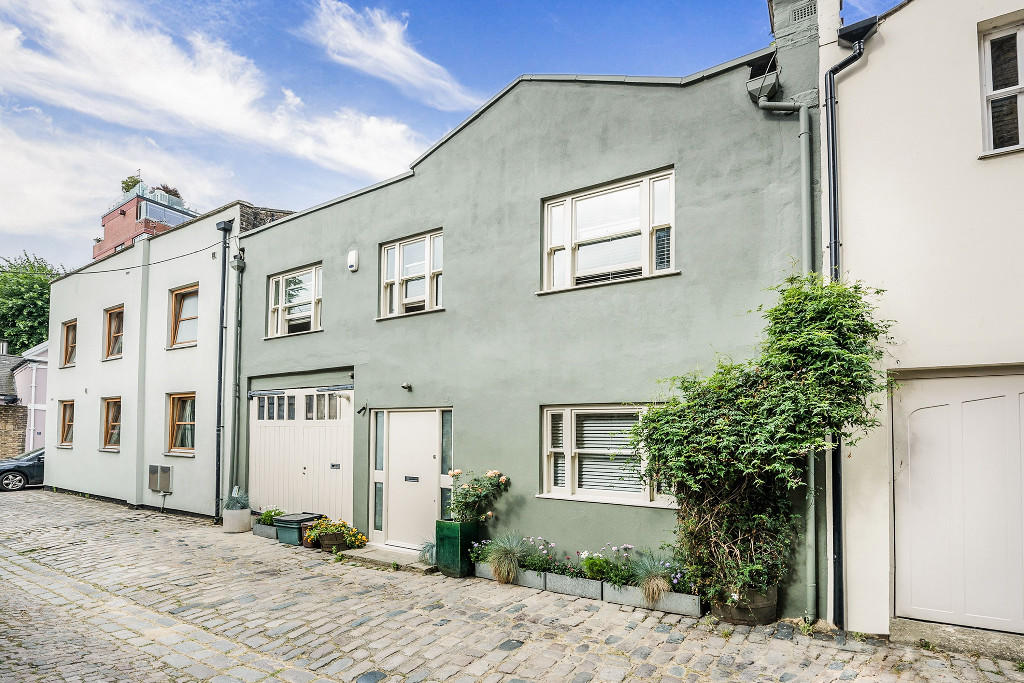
(362, 411)
(407, 386)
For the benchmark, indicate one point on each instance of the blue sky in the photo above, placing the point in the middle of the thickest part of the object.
(287, 104)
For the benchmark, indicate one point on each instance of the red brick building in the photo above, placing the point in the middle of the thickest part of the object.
(141, 210)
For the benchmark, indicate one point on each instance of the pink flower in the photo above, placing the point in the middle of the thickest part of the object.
(455, 472)
(503, 479)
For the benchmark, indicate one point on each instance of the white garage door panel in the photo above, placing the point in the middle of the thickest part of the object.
(958, 501)
(303, 464)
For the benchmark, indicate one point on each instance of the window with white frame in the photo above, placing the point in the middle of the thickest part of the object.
(1004, 87)
(411, 277)
(587, 455)
(616, 232)
(295, 302)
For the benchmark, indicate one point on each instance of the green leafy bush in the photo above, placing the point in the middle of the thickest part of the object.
(267, 516)
(732, 446)
(473, 496)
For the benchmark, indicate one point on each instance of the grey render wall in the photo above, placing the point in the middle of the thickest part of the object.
(498, 352)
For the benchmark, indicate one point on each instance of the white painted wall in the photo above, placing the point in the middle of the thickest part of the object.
(84, 295)
(924, 218)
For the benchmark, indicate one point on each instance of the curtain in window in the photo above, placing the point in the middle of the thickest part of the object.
(114, 423)
(185, 428)
(116, 329)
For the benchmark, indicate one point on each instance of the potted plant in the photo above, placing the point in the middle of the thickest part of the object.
(473, 496)
(264, 525)
(569, 578)
(478, 551)
(237, 515)
(650, 581)
(733, 447)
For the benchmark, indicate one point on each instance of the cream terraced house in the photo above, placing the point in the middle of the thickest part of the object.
(513, 300)
(133, 382)
(930, 162)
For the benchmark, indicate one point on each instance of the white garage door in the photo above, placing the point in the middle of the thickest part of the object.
(300, 451)
(958, 503)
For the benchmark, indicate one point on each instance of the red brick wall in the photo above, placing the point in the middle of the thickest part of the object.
(118, 229)
(13, 423)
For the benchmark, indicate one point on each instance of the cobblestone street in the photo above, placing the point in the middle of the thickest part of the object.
(96, 591)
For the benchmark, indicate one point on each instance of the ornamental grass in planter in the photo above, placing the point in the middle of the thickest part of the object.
(473, 497)
(733, 447)
(237, 517)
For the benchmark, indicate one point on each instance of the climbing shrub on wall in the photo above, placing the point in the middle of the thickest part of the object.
(732, 445)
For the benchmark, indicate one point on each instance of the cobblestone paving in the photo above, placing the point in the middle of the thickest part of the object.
(96, 591)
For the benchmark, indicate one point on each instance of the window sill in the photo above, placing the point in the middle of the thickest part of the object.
(180, 454)
(293, 334)
(409, 315)
(109, 450)
(1001, 152)
(187, 345)
(112, 358)
(582, 498)
(65, 446)
(591, 285)
(69, 365)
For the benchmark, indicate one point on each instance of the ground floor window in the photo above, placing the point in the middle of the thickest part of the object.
(182, 421)
(587, 455)
(67, 422)
(112, 423)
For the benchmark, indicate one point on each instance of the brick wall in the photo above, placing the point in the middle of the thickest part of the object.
(13, 423)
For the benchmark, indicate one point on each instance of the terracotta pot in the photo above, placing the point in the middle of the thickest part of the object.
(752, 608)
(302, 532)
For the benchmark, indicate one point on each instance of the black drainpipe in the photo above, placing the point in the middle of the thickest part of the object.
(853, 36)
(225, 230)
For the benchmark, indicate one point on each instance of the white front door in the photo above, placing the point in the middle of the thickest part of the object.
(300, 452)
(958, 500)
(410, 458)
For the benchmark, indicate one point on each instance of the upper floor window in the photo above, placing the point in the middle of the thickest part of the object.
(411, 278)
(1004, 87)
(113, 332)
(615, 232)
(185, 315)
(112, 422)
(295, 302)
(69, 343)
(182, 423)
(67, 422)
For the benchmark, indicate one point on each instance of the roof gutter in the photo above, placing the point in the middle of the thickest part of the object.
(853, 36)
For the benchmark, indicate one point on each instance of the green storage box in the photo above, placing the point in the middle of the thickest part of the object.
(289, 527)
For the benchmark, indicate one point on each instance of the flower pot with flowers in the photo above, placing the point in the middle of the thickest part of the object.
(473, 497)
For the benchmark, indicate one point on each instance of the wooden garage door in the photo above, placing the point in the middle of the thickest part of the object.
(300, 452)
(958, 502)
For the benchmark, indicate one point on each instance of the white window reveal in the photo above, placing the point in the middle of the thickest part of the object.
(411, 277)
(587, 456)
(295, 302)
(1004, 87)
(616, 232)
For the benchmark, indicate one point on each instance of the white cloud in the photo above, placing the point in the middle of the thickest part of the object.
(375, 43)
(57, 183)
(108, 60)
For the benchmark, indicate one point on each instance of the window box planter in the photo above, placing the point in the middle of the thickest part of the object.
(674, 603)
(568, 585)
(482, 570)
(330, 542)
(237, 521)
(530, 579)
(265, 530)
(453, 541)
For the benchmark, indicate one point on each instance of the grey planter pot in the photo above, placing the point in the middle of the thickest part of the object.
(531, 579)
(567, 585)
(265, 530)
(236, 521)
(674, 603)
(482, 570)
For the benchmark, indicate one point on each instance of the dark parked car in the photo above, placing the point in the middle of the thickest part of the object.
(25, 470)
